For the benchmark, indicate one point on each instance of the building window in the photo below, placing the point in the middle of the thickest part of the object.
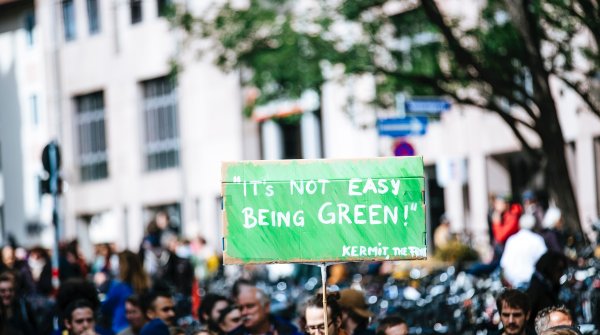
(292, 140)
(281, 138)
(69, 19)
(164, 6)
(29, 25)
(93, 159)
(136, 11)
(93, 16)
(35, 113)
(161, 124)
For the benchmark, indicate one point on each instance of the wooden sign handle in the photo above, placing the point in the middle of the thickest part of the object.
(324, 284)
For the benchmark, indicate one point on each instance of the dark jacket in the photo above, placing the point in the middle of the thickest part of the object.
(363, 331)
(542, 293)
(279, 326)
(22, 318)
(155, 327)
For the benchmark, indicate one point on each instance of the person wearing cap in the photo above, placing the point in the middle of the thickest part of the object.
(552, 226)
(521, 252)
(355, 313)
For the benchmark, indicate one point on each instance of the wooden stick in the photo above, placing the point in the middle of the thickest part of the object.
(324, 282)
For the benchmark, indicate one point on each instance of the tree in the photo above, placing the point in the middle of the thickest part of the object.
(503, 61)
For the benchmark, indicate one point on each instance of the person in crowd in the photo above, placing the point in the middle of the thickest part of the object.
(561, 330)
(178, 271)
(210, 310)
(229, 319)
(544, 286)
(338, 274)
(17, 310)
(201, 254)
(442, 234)
(315, 319)
(552, 316)
(158, 307)
(132, 280)
(79, 318)
(392, 325)
(17, 267)
(521, 252)
(38, 283)
(40, 271)
(68, 292)
(532, 206)
(355, 313)
(552, 230)
(104, 267)
(239, 285)
(151, 248)
(134, 315)
(202, 331)
(175, 271)
(71, 264)
(505, 223)
(158, 229)
(514, 309)
(255, 309)
(155, 327)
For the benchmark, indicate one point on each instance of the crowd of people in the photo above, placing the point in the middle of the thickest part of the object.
(164, 288)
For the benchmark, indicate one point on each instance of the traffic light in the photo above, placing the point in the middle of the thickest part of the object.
(52, 184)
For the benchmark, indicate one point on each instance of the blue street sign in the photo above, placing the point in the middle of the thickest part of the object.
(398, 127)
(427, 106)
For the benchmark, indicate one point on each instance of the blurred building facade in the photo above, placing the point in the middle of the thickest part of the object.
(134, 142)
(95, 75)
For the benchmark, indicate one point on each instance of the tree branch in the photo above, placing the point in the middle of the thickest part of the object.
(591, 100)
(465, 58)
(436, 83)
(510, 120)
(592, 18)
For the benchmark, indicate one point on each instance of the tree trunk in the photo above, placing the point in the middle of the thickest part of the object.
(556, 172)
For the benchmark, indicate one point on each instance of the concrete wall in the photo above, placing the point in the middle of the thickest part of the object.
(23, 122)
(210, 123)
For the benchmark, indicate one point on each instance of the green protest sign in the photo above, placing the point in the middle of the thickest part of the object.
(323, 210)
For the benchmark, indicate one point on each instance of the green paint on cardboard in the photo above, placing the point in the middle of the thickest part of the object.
(324, 210)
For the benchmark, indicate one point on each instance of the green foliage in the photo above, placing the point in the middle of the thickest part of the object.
(500, 61)
(283, 47)
(456, 252)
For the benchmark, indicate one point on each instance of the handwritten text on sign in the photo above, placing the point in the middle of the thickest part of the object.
(320, 210)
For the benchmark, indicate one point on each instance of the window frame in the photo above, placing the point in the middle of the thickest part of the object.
(160, 123)
(138, 5)
(93, 16)
(69, 20)
(91, 145)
